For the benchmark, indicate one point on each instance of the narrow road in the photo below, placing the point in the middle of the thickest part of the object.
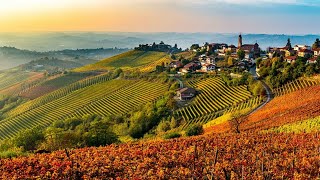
(180, 82)
(269, 97)
(266, 87)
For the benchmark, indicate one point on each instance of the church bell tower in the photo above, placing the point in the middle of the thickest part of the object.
(240, 41)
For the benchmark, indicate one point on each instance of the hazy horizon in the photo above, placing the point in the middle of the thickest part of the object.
(221, 16)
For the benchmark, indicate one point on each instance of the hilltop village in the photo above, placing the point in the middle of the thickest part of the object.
(216, 57)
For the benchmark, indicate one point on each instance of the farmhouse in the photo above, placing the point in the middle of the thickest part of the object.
(190, 67)
(186, 93)
(176, 64)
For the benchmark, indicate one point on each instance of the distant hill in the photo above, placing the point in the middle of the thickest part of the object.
(46, 64)
(11, 56)
(93, 40)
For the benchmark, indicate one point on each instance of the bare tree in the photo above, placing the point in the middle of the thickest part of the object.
(236, 121)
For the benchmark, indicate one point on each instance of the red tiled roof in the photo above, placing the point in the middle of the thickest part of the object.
(305, 50)
(291, 58)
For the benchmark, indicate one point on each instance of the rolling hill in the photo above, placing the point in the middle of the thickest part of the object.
(296, 105)
(144, 60)
(107, 97)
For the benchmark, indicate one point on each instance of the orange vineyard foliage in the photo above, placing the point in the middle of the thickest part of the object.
(293, 107)
(296, 106)
(234, 156)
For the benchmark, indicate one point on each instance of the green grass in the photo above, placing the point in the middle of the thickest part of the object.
(127, 60)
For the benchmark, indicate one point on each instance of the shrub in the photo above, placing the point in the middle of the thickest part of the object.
(172, 135)
(194, 130)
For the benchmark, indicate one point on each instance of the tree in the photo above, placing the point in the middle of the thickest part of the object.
(194, 130)
(29, 139)
(194, 46)
(316, 44)
(310, 69)
(230, 61)
(236, 121)
(241, 54)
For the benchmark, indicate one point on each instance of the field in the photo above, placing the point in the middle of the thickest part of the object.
(283, 110)
(147, 60)
(214, 97)
(216, 156)
(12, 83)
(308, 125)
(52, 84)
(112, 97)
(294, 86)
(290, 108)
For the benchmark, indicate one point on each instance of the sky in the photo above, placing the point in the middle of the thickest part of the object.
(222, 16)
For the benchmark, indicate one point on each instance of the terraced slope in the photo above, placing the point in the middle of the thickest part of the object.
(52, 85)
(129, 60)
(295, 86)
(12, 82)
(214, 96)
(286, 109)
(111, 97)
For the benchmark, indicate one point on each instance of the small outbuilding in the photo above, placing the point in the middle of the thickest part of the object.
(186, 93)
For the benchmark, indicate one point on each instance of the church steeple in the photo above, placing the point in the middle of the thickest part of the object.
(240, 41)
(289, 46)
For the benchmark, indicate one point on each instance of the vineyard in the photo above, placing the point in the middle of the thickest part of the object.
(147, 60)
(294, 86)
(214, 97)
(58, 94)
(218, 156)
(289, 108)
(52, 84)
(112, 97)
(11, 83)
(309, 125)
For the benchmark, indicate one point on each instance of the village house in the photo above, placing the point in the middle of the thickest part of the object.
(305, 53)
(312, 60)
(176, 64)
(251, 50)
(190, 67)
(300, 47)
(232, 49)
(208, 68)
(316, 52)
(186, 93)
(290, 59)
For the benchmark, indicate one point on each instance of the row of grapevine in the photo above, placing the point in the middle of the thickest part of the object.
(218, 156)
(110, 98)
(294, 86)
(152, 66)
(286, 109)
(251, 103)
(123, 100)
(128, 60)
(201, 120)
(214, 96)
(308, 125)
(8, 79)
(58, 94)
